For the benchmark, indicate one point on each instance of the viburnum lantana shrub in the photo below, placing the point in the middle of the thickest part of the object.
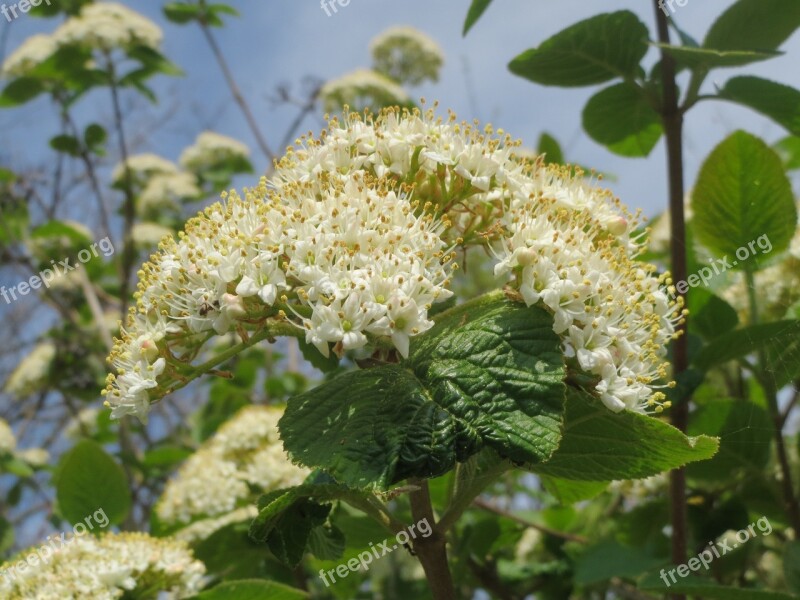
(351, 243)
(352, 246)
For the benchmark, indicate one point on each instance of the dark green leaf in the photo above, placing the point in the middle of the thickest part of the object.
(593, 51)
(67, 144)
(742, 194)
(256, 589)
(620, 118)
(570, 492)
(89, 480)
(180, 13)
(755, 25)
(789, 150)
(95, 135)
(21, 91)
(326, 543)
(711, 315)
(599, 445)
(704, 588)
(741, 342)
(287, 519)
(707, 58)
(791, 566)
(59, 229)
(745, 433)
(549, 145)
(476, 10)
(6, 535)
(609, 559)
(488, 374)
(779, 102)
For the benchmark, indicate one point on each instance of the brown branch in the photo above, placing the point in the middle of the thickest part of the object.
(431, 550)
(672, 117)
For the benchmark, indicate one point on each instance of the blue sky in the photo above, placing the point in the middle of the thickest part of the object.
(282, 41)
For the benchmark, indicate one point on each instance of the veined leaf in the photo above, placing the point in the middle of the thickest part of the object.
(593, 51)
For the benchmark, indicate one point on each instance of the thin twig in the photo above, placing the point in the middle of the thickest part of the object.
(571, 537)
(237, 94)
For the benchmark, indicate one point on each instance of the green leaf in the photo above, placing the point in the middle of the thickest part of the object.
(20, 91)
(7, 175)
(599, 445)
(165, 457)
(549, 145)
(326, 543)
(593, 51)
(16, 466)
(180, 13)
(747, 340)
(609, 559)
(153, 61)
(789, 150)
(711, 315)
(95, 135)
(6, 535)
(89, 480)
(67, 144)
(489, 374)
(745, 432)
(791, 565)
(707, 58)
(754, 25)
(742, 194)
(476, 10)
(312, 355)
(570, 492)
(288, 517)
(256, 589)
(59, 229)
(620, 118)
(779, 102)
(705, 588)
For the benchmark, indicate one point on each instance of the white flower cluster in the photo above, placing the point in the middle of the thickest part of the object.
(566, 244)
(30, 54)
(8, 442)
(159, 184)
(352, 262)
(105, 26)
(211, 149)
(31, 371)
(109, 567)
(143, 167)
(214, 487)
(777, 287)
(407, 55)
(35, 457)
(362, 89)
(100, 26)
(353, 243)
